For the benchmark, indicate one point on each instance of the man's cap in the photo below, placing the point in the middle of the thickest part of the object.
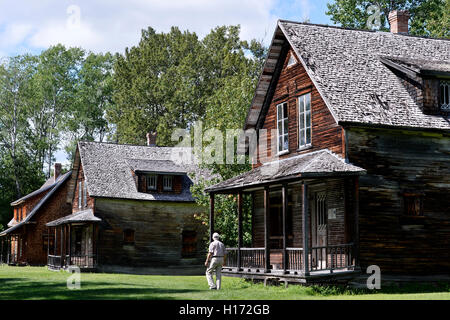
(216, 235)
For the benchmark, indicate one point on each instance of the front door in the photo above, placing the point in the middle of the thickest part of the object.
(319, 230)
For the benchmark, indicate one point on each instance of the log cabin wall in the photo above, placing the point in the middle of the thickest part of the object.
(337, 197)
(158, 234)
(292, 83)
(400, 162)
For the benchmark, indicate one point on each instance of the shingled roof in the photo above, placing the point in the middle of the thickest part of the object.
(346, 67)
(77, 217)
(321, 163)
(108, 169)
(53, 188)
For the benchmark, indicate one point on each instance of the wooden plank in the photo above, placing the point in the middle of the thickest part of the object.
(305, 219)
(266, 229)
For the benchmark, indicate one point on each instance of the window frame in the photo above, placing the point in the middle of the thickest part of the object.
(129, 236)
(285, 123)
(80, 194)
(84, 194)
(413, 199)
(302, 126)
(444, 95)
(291, 58)
(164, 180)
(147, 180)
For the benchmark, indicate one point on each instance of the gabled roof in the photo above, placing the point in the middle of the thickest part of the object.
(60, 181)
(50, 183)
(108, 169)
(321, 163)
(346, 67)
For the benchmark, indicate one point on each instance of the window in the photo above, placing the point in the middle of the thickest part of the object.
(151, 182)
(128, 236)
(283, 128)
(292, 61)
(84, 194)
(413, 204)
(189, 244)
(79, 193)
(167, 183)
(304, 120)
(444, 88)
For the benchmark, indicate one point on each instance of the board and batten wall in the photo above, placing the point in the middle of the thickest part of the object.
(399, 161)
(158, 228)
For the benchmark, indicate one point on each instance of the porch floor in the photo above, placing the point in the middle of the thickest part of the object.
(294, 276)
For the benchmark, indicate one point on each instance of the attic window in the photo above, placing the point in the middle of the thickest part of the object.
(444, 88)
(283, 127)
(128, 236)
(292, 61)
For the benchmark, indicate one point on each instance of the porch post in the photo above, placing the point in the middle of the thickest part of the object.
(61, 259)
(284, 196)
(239, 229)
(48, 243)
(211, 216)
(69, 249)
(266, 229)
(305, 222)
(8, 249)
(1, 253)
(356, 214)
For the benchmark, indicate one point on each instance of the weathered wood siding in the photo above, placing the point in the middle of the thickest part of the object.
(158, 228)
(396, 162)
(337, 191)
(326, 133)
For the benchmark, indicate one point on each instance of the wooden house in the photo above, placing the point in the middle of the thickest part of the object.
(360, 173)
(132, 211)
(26, 240)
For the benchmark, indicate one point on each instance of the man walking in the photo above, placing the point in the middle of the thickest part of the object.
(217, 254)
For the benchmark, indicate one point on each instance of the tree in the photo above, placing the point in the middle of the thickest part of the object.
(427, 16)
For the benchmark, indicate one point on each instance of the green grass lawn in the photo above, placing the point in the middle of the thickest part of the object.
(40, 283)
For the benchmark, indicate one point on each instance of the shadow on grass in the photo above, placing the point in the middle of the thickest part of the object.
(406, 288)
(25, 289)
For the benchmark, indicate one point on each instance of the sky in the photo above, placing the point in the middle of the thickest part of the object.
(30, 26)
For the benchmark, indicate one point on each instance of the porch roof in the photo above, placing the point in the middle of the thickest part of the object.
(78, 217)
(322, 163)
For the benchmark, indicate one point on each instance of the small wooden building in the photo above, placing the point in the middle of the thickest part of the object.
(132, 211)
(26, 240)
(358, 167)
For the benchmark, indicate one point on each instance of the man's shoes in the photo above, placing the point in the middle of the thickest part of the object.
(214, 288)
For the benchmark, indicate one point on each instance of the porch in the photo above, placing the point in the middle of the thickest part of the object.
(304, 224)
(75, 242)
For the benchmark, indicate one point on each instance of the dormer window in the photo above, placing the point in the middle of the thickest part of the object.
(444, 88)
(167, 183)
(283, 127)
(151, 182)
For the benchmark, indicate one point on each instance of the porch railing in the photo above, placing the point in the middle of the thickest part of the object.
(82, 260)
(251, 258)
(332, 257)
(54, 262)
(324, 258)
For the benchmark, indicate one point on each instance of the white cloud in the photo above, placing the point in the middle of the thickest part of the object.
(112, 25)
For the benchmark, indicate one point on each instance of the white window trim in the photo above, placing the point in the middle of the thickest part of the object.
(80, 195)
(167, 178)
(153, 188)
(306, 145)
(84, 193)
(285, 117)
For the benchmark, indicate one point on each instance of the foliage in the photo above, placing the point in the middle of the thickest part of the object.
(428, 17)
(60, 94)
